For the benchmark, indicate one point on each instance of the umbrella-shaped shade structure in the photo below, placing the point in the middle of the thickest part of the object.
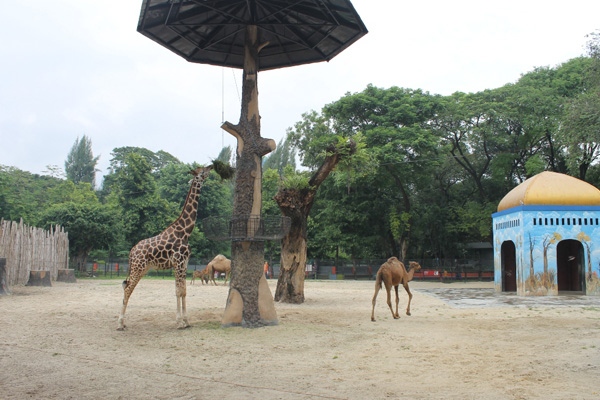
(213, 31)
(255, 35)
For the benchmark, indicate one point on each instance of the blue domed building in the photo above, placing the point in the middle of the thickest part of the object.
(547, 237)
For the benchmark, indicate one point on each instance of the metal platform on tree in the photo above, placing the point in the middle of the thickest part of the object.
(246, 227)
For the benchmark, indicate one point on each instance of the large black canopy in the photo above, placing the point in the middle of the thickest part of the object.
(212, 31)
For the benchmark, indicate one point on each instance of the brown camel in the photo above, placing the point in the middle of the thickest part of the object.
(393, 273)
(219, 264)
(203, 275)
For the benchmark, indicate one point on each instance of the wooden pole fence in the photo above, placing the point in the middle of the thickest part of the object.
(28, 248)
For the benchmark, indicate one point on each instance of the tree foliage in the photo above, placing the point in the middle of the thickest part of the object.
(283, 156)
(80, 165)
(427, 173)
(90, 225)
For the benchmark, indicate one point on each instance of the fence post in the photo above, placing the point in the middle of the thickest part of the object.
(3, 284)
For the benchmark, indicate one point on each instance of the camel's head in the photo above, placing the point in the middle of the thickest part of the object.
(414, 265)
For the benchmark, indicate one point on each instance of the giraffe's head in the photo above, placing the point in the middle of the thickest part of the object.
(201, 174)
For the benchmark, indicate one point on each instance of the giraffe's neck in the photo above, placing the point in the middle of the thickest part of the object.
(187, 219)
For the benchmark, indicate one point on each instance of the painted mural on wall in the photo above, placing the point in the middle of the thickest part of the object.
(556, 247)
(543, 282)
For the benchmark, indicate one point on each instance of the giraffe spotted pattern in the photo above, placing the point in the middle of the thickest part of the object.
(169, 249)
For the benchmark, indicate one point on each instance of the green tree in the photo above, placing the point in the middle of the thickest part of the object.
(23, 194)
(295, 199)
(90, 225)
(225, 155)
(11, 207)
(284, 155)
(156, 161)
(581, 122)
(396, 125)
(80, 165)
(581, 130)
(295, 196)
(144, 212)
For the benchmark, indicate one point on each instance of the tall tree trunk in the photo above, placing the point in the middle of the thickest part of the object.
(296, 204)
(80, 259)
(290, 284)
(249, 302)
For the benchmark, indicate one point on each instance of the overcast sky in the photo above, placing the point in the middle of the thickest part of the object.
(78, 67)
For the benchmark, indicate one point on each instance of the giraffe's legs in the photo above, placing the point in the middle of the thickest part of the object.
(128, 286)
(180, 292)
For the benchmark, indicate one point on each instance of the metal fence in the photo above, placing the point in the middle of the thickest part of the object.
(116, 268)
(431, 269)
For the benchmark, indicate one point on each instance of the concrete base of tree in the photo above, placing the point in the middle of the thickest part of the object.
(66, 275)
(39, 278)
(235, 305)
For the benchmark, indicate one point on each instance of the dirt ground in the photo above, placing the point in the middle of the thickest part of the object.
(60, 342)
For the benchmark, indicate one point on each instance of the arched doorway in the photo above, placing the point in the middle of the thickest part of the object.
(570, 266)
(509, 267)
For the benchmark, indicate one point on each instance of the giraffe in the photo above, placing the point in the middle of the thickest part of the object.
(169, 249)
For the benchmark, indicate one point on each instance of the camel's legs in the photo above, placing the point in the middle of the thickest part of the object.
(409, 298)
(128, 287)
(388, 289)
(377, 287)
(211, 277)
(180, 292)
(397, 301)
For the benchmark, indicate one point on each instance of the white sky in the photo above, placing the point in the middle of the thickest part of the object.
(77, 67)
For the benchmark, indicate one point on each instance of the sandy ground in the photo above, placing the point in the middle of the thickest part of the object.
(61, 343)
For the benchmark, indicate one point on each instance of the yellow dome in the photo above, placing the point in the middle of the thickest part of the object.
(551, 188)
